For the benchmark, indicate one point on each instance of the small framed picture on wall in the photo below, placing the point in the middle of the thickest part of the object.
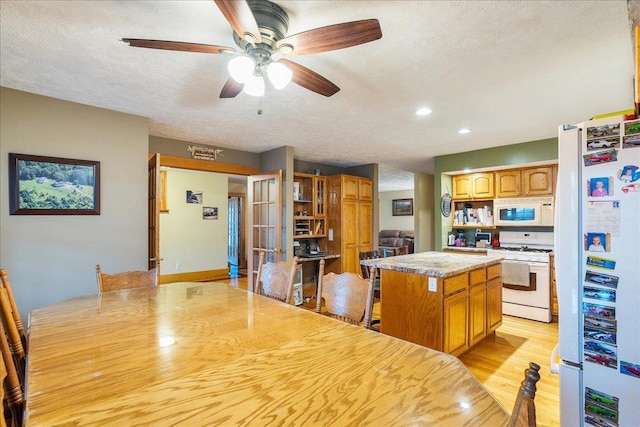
(402, 207)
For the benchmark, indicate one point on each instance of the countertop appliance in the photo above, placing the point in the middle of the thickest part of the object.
(597, 255)
(483, 237)
(523, 211)
(526, 274)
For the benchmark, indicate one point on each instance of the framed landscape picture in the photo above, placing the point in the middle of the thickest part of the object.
(402, 207)
(40, 185)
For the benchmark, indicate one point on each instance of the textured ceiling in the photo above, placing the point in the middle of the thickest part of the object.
(512, 71)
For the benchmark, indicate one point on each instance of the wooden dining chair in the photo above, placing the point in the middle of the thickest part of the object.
(126, 279)
(4, 279)
(366, 273)
(524, 409)
(12, 336)
(347, 296)
(402, 250)
(367, 255)
(13, 401)
(387, 252)
(3, 375)
(275, 279)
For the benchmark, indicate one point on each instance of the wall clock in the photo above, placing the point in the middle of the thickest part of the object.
(445, 204)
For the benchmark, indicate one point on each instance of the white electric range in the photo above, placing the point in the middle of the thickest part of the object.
(526, 273)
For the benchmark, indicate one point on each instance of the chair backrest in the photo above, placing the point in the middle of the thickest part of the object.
(367, 255)
(12, 335)
(347, 296)
(126, 279)
(4, 278)
(3, 375)
(402, 250)
(13, 391)
(387, 252)
(275, 279)
(524, 409)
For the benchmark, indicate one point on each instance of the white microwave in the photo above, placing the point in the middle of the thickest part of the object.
(522, 212)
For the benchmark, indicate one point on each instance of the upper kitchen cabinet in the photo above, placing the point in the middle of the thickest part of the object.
(538, 181)
(525, 182)
(356, 188)
(509, 183)
(473, 186)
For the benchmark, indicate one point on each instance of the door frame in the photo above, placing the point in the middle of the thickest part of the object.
(162, 160)
(242, 256)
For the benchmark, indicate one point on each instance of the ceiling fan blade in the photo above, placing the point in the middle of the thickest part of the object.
(231, 89)
(179, 46)
(333, 37)
(310, 79)
(241, 18)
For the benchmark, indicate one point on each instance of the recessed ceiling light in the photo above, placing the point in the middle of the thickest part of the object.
(423, 111)
(464, 131)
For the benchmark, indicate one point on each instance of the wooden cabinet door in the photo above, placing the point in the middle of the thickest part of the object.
(508, 183)
(365, 226)
(320, 196)
(456, 308)
(483, 186)
(350, 257)
(477, 314)
(350, 187)
(365, 189)
(350, 241)
(494, 304)
(538, 181)
(462, 187)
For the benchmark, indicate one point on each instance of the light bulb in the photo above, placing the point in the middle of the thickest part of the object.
(254, 86)
(279, 74)
(241, 68)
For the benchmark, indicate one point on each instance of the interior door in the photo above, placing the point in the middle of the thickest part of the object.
(153, 210)
(265, 220)
(234, 231)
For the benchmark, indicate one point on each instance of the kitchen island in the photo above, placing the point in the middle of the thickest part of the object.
(445, 301)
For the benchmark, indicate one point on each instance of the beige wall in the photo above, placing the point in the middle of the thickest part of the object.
(425, 210)
(189, 243)
(53, 258)
(387, 220)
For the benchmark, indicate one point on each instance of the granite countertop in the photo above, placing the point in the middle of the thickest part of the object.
(438, 264)
(466, 249)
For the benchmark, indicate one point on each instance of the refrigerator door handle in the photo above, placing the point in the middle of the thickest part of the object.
(554, 364)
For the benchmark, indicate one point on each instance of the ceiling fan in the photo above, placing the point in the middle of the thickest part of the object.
(259, 31)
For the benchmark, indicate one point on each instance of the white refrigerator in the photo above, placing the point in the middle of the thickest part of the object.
(597, 255)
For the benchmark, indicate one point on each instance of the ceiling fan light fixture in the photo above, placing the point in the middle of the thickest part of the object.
(279, 74)
(241, 68)
(254, 86)
(285, 49)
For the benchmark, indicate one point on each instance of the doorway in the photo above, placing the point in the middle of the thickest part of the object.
(237, 176)
(236, 255)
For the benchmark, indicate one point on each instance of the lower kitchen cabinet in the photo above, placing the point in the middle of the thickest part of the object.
(494, 304)
(477, 314)
(456, 310)
(450, 314)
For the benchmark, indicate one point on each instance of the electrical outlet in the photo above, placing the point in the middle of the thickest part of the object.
(178, 266)
(433, 284)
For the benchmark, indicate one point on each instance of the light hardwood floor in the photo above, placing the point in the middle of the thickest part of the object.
(499, 361)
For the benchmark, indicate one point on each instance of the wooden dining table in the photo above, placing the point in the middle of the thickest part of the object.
(209, 354)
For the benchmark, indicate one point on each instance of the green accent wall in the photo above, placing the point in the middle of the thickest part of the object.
(506, 156)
